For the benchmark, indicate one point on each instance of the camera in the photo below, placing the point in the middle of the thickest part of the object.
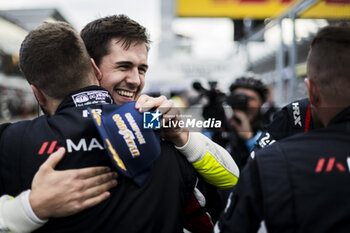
(238, 101)
(213, 109)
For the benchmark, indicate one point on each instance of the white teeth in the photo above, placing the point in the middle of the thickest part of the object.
(125, 93)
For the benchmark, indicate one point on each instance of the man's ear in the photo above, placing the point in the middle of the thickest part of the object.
(97, 71)
(40, 96)
(313, 91)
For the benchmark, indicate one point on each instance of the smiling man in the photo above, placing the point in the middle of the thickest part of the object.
(124, 71)
(119, 47)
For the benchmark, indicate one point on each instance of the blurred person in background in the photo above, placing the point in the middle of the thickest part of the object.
(284, 184)
(247, 95)
(213, 109)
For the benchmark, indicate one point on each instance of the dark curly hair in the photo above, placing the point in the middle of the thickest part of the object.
(249, 82)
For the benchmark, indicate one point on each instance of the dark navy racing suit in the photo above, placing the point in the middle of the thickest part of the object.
(157, 206)
(291, 119)
(299, 184)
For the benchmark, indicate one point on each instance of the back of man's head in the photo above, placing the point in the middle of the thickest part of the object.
(328, 63)
(98, 33)
(53, 58)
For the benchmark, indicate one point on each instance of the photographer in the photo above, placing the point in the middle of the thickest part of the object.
(244, 128)
(213, 109)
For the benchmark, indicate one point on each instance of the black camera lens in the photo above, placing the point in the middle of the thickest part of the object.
(238, 101)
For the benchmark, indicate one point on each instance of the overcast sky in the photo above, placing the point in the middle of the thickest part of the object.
(146, 12)
(211, 38)
(79, 12)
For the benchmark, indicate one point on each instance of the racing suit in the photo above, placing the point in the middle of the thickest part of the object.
(291, 119)
(209, 159)
(299, 184)
(157, 206)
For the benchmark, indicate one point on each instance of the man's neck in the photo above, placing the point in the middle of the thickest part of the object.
(52, 106)
(324, 115)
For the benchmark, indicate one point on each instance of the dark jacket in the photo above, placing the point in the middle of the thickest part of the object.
(157, 206)
(291, 119)
(299, 184)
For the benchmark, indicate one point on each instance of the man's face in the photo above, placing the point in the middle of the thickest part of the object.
(123, 71)
(254, 101)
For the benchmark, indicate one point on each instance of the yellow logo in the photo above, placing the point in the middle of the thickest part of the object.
(96, 117)
(127, 135)
(115, 155)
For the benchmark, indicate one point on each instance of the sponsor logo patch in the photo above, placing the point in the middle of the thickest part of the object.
(48, 147)
(296, 114)
(81, 144)
(266, 140)
(328, 165)
(91, 97)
